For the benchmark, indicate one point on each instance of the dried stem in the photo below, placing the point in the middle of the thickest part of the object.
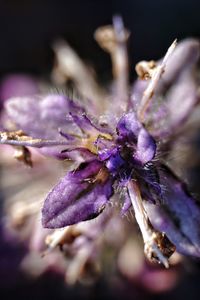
(150, 236)
(150, 90)
(70, 66)
(57, 237)
(19, 138)
(113, 39)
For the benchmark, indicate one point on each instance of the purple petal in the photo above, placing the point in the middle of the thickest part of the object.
(176, 93)
(115, 161)
(81, 195)
(128, 127)
(184, 57)
(131, 130)
(178, 216)
(146, 147)
(87, 125)
(180, 101)
(41, 117)
(105, 147)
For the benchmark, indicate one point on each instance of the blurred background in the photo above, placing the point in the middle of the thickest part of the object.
(27, 30)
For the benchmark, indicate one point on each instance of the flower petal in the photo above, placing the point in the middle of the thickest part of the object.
(81, 195)
(178, 216)
(176, 93)
(131, 130)
(180, 101)
(41, 117)
(184, 57)
(128, 126)
(44, 118)
(146, 147)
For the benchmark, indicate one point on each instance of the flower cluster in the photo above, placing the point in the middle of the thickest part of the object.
(116, 144)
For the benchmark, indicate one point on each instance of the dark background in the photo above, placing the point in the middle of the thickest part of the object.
(28, 27)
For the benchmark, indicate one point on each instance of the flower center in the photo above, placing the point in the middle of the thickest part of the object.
(91, 141)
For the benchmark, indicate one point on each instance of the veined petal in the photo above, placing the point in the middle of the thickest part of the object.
(178, 216)
(81, 195)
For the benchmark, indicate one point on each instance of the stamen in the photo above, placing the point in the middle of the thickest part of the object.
(68, 136)
(150, 90)
(91, 143)
(150, 236)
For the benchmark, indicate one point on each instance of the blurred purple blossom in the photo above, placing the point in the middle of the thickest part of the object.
(18, 85)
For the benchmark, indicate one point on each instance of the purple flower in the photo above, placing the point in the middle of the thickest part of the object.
(119, 154)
